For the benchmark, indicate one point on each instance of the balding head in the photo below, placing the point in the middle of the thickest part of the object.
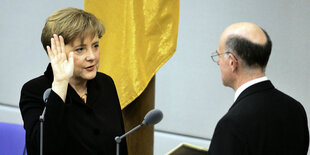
(248, 42)
(246, 30)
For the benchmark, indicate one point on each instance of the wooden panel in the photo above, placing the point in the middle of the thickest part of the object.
(140, 142)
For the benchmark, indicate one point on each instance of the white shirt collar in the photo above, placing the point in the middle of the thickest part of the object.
(248, 84)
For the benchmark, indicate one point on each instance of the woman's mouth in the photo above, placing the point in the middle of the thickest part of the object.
(90, 68)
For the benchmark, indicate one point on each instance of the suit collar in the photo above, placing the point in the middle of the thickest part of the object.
(261, 86)
(248, 84)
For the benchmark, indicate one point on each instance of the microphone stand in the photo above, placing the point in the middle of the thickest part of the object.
(41, 118)
(119, 139)
(151, 118)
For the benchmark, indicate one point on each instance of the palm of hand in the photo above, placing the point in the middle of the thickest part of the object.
(62, 66)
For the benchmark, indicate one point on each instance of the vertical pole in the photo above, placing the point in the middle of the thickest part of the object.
(117, 148)
(140, 142)
(41, 134)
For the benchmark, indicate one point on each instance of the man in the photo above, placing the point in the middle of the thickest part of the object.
(262, 120)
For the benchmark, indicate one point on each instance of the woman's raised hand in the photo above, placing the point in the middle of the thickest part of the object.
(62, 65)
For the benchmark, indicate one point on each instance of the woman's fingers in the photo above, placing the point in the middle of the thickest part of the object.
(57, 43)
(53, 47)
(49, 52)
(62, 65)
(62, 43)
(57, 48)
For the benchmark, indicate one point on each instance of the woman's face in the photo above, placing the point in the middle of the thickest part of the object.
(86, 57)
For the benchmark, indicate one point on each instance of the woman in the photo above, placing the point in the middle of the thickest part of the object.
(83, 114)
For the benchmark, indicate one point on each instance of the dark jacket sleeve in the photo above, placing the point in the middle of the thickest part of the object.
(31, 106)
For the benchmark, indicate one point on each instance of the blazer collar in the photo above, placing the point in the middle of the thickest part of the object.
(91, 88)
(49, 72)
(261, 86)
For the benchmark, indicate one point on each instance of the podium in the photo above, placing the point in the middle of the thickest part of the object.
(186, 149)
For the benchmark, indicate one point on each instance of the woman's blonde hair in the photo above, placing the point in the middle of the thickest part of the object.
(71, 23)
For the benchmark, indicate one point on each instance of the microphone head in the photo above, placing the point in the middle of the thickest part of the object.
(46, 94)
(153, 117)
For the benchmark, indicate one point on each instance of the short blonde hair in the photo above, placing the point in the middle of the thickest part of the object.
(71, 23)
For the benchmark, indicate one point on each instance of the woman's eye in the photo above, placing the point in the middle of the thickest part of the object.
(79, 50)
(96, 46)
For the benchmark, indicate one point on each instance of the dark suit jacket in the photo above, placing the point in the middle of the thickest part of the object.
(73, 127)
(262, 121)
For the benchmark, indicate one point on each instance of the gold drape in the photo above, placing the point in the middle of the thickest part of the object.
(141, 35)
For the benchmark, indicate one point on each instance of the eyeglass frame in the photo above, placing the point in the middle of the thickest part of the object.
(215, 54)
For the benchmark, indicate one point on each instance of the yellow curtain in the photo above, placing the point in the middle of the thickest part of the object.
(141, 35)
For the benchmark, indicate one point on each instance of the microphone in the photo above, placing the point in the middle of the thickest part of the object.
(151, 118)
(46, 94)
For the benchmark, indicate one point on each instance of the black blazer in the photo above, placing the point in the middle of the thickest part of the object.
(262, 121)
(73, 127)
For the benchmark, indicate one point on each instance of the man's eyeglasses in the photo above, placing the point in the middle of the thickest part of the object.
(215, 56)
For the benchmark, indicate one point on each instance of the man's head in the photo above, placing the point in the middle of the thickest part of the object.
(71, 23)
(244, 50)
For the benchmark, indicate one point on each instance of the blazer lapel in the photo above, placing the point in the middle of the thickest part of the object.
(92, 91)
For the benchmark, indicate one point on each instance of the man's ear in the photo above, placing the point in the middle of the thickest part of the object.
(233, 62)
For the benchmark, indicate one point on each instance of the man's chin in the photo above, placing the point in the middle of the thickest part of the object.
(225, 83)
